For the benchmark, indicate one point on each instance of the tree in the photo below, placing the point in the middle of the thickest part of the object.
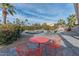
(47, 27)
(55, 26)
(36, 26)
(9, 22)
(26, 20)
(71, 20)
(18, 22)
(61, 22)
(6, 9)
(21, 21)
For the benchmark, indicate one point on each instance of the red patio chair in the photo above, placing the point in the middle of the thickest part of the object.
(55, 43)
(21, 52)
(38, 52)
(54, 46)
(29, 52)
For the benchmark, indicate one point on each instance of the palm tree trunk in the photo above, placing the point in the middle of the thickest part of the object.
(4, 12)
(76, 5)
(4, 19)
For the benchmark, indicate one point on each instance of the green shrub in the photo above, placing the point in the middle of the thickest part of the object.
(7, 37)
(9, 34)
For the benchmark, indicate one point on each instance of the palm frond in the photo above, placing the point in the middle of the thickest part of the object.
(11, 12)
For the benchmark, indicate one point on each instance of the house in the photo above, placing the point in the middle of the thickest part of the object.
(61, 28)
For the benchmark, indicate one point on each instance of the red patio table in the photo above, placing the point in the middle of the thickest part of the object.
(39, 40)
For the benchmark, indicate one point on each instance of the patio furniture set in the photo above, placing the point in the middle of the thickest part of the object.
(43, 44)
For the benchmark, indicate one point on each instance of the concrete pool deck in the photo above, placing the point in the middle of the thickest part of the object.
(69, 45)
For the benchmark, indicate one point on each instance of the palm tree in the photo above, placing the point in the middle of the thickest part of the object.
(71, 20)
(18, 22)
(26, 20)
(61, 22)
(6, 9)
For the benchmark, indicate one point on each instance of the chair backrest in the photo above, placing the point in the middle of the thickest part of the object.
(38, 52)
(57, 42)
(54, 44)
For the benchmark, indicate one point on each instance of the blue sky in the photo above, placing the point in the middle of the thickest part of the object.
(41, 12)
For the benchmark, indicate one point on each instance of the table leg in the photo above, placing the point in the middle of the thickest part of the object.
(39, 45)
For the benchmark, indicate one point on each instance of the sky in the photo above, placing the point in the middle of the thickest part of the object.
(41, 12)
